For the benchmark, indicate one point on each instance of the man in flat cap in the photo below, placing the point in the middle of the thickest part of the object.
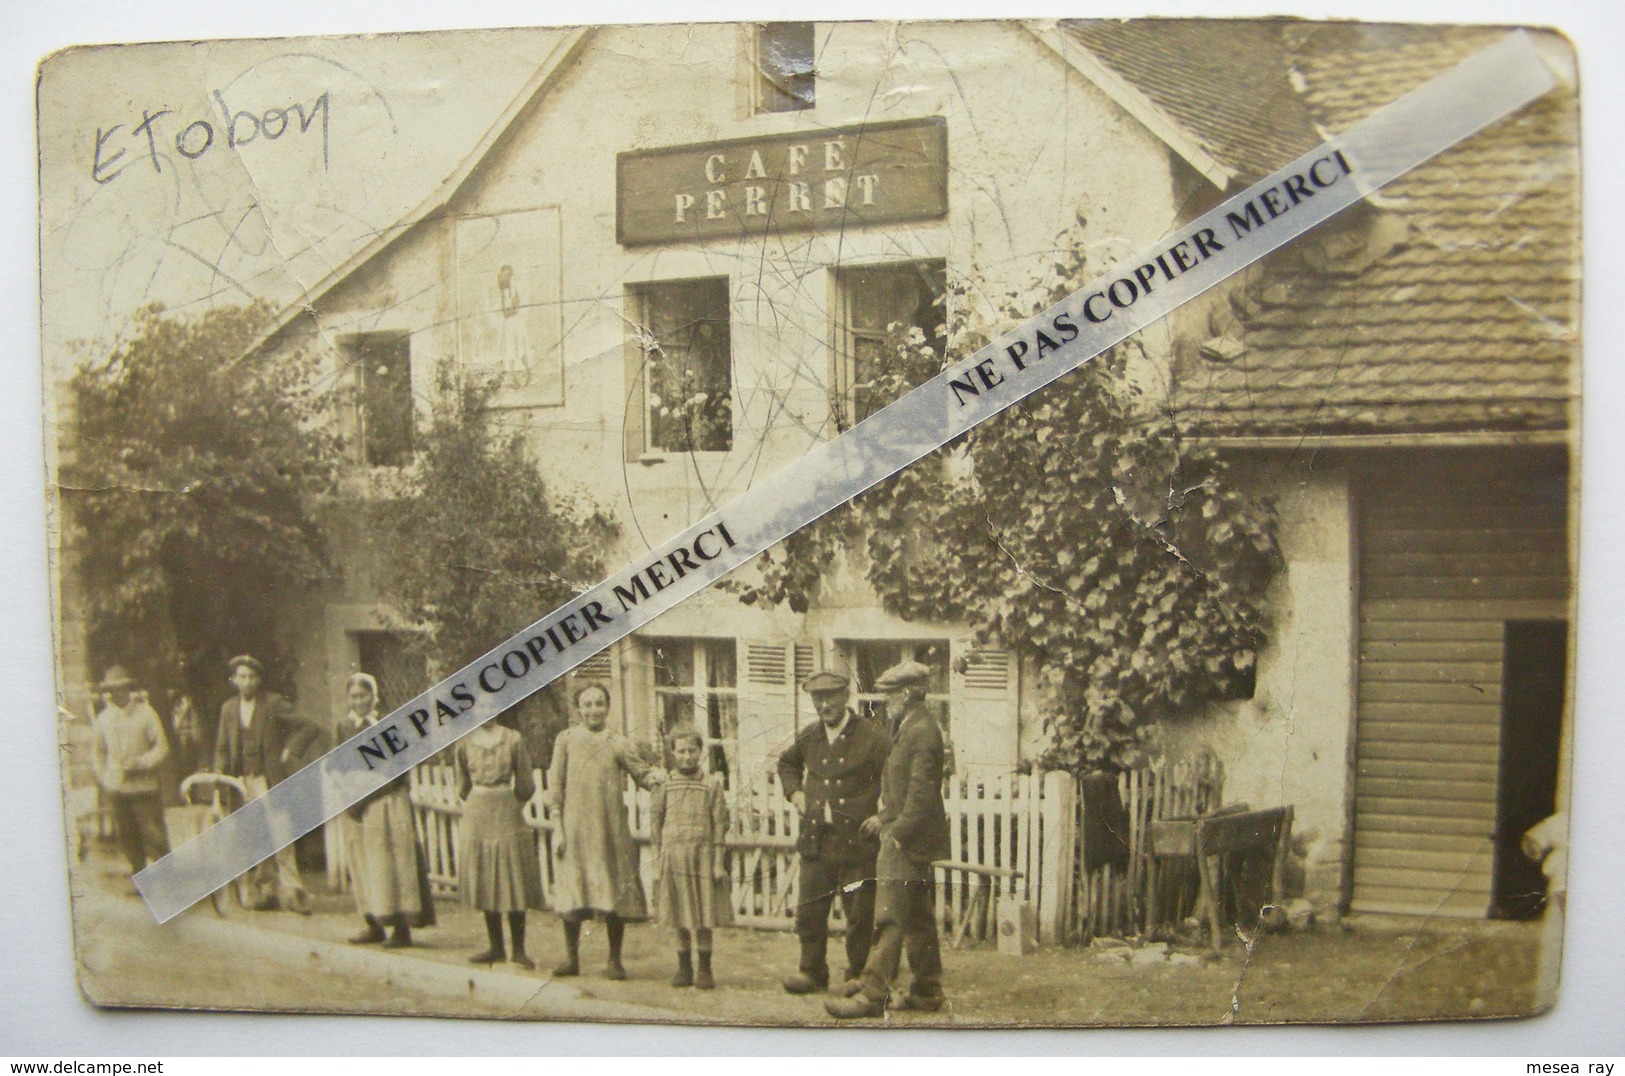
(913, 832)
(831, 772)
(126, 751)
(261, 741)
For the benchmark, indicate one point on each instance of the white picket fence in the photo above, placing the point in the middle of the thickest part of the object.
(1022, 822)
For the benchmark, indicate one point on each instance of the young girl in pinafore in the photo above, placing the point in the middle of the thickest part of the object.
(499, 869)
(688, 819)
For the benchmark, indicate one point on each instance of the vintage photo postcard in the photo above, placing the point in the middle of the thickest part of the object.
(1061, 523)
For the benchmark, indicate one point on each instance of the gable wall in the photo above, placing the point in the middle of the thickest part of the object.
(1032, 146)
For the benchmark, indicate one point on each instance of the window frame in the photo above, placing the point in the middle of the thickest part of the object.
(721, 751)
(353, 348)
(640, 335)
(866, 701)
(844, 336)
(768, 91)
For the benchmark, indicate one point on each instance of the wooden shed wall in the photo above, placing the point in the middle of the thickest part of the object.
(1451, 547)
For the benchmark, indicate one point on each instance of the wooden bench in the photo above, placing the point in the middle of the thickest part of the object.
(984, 896)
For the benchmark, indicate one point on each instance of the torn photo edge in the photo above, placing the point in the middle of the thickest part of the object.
(1487, 86)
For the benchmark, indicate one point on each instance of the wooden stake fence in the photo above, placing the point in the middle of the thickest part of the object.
(1029, 823)
(1111, 901)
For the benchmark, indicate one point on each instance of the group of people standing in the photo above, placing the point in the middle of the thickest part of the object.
(596, 871)
(258, 742)
(872, 824)
(870, 800)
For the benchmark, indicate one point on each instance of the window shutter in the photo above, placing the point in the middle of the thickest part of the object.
(807, 662)
(982, 711)
(600, 667)
(767, 718)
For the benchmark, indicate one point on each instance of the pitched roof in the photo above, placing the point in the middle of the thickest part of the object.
(1226, 84)
(1457, 309)
(557, 60)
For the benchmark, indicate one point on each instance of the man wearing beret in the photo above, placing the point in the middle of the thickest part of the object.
(261, 741)
(913, 832)
(831, 773)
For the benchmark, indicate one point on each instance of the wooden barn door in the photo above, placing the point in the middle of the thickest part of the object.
(1453, 547)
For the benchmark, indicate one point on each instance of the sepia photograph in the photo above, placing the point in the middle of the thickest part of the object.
(1228, 678)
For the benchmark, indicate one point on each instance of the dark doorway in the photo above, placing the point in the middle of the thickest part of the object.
(400, 670)
(1533, 674)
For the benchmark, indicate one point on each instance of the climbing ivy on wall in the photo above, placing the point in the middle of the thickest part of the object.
(1081, 527)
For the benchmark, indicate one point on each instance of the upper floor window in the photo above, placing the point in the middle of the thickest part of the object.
(384, 413)
(687, 368)
(784, 67)
(887, 316)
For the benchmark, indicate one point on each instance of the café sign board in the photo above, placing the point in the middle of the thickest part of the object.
(832, 178)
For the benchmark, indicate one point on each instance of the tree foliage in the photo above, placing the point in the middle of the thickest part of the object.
(1079, 528)
(474, 543)
(192, 485)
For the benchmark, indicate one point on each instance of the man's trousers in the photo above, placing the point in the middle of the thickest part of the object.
(138, 819)
(905, 918)
(821, 880)
(278, 876)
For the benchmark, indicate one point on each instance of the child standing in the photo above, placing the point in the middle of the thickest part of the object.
(688, 820)
(499, 870)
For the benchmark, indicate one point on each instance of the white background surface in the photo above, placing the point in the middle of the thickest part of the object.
(41, 1012)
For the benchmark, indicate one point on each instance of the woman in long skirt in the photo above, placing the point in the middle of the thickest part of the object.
(597, 874)
(380, 844)
(499, 871)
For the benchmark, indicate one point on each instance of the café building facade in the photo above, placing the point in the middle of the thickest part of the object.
(680, 251)
(681, 247)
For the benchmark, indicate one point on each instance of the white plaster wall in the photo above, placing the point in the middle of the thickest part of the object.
(1032, 145)
(1291, 743)
(1028, 142)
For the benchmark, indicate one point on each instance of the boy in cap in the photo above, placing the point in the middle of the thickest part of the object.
(831, 773)
(913, 832)
(127, 749)
(261, 741)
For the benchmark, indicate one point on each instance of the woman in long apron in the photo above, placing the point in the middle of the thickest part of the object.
(597, 876)
(380, 844)
(499, 870)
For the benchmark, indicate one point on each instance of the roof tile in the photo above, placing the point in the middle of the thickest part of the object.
(1226, 83)
(1468, 324)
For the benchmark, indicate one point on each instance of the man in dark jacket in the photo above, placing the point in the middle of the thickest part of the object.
(913, 833)
(831, 772)
(261, 741)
